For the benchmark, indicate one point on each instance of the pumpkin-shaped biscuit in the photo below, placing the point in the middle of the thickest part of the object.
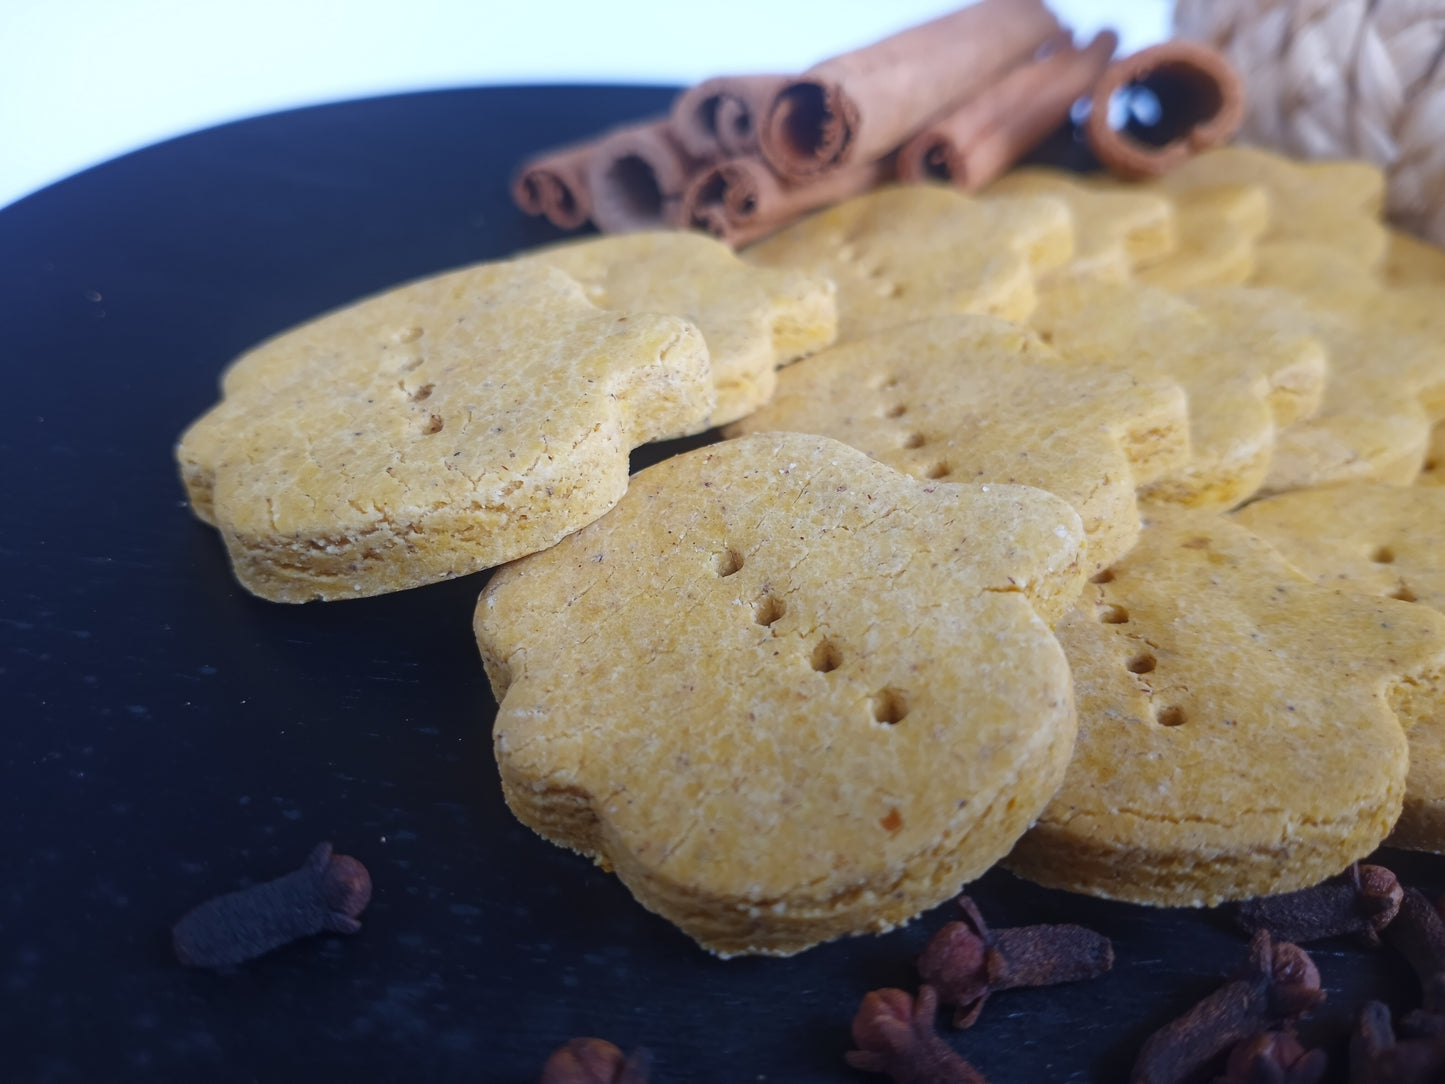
(1236, 736)
(784, 691)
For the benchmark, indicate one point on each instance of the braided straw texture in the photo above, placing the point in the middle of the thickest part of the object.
(1342, 79)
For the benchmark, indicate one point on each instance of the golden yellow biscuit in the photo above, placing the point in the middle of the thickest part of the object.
(1239, 373)
(1372, 423)
(754, 319)
(978, 399)
(786, 692)
(903, 254)
(1409, 261)
(1114, 229)
(1333, 203)
(1235, 731)
(434, 430)
(1386, 541)
(1217, 228)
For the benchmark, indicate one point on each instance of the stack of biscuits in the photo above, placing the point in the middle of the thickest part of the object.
(1091, 528)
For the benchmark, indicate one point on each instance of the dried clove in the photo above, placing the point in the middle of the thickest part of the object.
(1363, 900)
(1376, 1057)
(1418, 934)
(894, 1035)
(966, 961)
(1273, 1057)
(1278, 982)
(328, 892)
(596, 1061)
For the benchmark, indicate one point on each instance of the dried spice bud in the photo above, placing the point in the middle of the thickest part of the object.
(1273, 1057)
(1363, 900)
(1418, 934)
(1376, 1057)
(596, 1061)
(1278, 982)
(328, 892)
(966, 961)
(894, 1035)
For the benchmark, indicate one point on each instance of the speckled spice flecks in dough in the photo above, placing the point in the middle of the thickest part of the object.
(434, 430)
(786, 692)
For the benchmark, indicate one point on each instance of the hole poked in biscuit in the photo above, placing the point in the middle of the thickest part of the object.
(891, 821)
(1113, 615)
(1141, 664)
(1404, 594)
(768, 609)
(897, 410)
(935, 471)
(1170, 716)
(889, 706)
(432, 425)
(728, 562)
(1383, 555)
(1107, 576)
(826, 657)
(423, 392)
(914, 440)
(406, 334)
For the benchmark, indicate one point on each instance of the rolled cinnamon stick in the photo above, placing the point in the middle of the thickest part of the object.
(1200, 99)
(741, 200)
(991, 131)
(719, 117)
(555, 184)
(861, 105)
(637, 176)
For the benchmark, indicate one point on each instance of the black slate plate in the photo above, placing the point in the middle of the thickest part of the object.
(167, 736)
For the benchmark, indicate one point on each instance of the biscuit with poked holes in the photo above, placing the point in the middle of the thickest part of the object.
(1386, 541)
(1236, 736)
(978, 399)
(785, 692)
(434, 430)
(1333, 203)
(1115, 229)
(903, 254)
(1243, 376)
(755, 319)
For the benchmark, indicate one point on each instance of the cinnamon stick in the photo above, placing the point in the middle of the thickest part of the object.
(861, 105)
(741, 200)
(1201, 104)
(554, 184)
(637, 176)
(719, 117)
(990, 132)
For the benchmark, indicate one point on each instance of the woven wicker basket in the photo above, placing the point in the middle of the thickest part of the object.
(1342, 79)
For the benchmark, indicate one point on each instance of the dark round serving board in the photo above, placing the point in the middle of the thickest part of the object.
(168, 737)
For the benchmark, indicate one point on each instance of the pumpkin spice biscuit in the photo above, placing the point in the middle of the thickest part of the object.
(1115, 229)
(978, 399)
(1217, 228)
(1244, 377)
(1389, 542)
(785, 692)
(904, 254)
(754, 319)
(1236, 737)
(434, 430)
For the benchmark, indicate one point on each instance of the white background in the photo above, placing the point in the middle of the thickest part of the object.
(82, 81)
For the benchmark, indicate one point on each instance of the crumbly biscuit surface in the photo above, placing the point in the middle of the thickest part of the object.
(784, 691)
(903, 254)
(1235, 730)
(754, 319)
(977, 399)
(437, 429)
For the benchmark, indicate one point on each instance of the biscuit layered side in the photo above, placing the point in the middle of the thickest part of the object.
(785, 692)
(434, 430)
(1236, 736)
